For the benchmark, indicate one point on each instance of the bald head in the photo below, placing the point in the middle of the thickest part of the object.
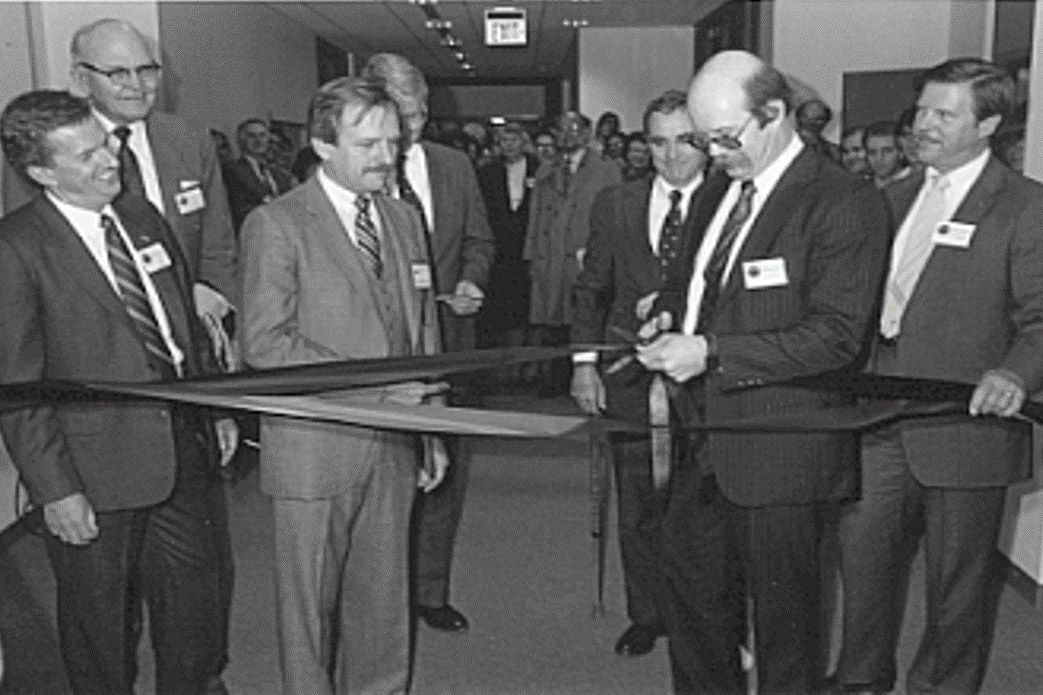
(740, 104)
(115, 67)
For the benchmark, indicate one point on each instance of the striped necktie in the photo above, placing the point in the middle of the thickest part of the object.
(130, 168)
(366, 235)
(135, 299)
(718, 263)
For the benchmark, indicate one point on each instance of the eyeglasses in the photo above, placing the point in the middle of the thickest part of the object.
(122, 76)
(728, 141)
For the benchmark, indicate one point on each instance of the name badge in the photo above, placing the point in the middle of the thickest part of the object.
(421, 276)
(190, 200)
(154, 258)
(766, 272)
(956, 234)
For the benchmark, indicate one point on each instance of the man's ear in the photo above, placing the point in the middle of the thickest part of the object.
(41, 175)
(78, 84)
(771, 111)
(322, 148)
(987, 127)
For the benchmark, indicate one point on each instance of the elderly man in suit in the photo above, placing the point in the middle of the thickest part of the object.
(556, 240)
(440, 183)
(94, 286)
(963, 302)
(253, 179)
(636, 232)
(781, 285)
(335, 270)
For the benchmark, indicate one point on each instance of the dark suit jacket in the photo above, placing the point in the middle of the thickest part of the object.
(619, 269)
(462, 244)
(62, 320)
(246, 191)
(831, 231)
(309, 298)
(975, 309)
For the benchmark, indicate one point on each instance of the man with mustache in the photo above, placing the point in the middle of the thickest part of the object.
(963, 302)
(335, 270)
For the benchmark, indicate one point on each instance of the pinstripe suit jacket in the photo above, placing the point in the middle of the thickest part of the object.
(831, 231)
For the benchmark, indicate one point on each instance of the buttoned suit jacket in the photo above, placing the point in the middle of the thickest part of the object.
(559, 226)
(309, 298)
(462, 245)
(831, 230)
(62, 320)
(619, 269)
(974, 309)
(246, 191)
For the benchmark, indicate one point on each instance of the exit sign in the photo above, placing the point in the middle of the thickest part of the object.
(505, 26)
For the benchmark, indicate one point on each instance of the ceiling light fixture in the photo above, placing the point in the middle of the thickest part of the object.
(575, 23)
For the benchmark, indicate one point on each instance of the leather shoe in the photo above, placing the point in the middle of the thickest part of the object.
(637, 640)
(444, 618)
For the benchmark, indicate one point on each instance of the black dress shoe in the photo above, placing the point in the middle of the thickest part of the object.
(444, 618)
(637, 640)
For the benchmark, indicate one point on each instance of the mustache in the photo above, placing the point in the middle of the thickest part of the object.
(379, 170)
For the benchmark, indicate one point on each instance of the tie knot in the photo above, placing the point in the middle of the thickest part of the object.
(362, 204)
(122, 132)
(939, 181)
(748, 189)
(108, 224)
(675, 198)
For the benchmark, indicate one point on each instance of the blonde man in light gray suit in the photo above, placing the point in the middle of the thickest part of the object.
(329, 274)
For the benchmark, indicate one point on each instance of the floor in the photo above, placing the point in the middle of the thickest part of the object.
(524, 575)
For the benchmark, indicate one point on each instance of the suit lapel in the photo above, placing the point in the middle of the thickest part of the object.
(168, 162)
(773, 216)
(438, 178)
(392, 222)
(635, 230)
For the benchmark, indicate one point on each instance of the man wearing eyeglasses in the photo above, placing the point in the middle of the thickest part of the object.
(782, 284)
(174, 166)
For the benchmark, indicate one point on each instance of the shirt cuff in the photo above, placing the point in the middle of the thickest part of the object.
(584, 358)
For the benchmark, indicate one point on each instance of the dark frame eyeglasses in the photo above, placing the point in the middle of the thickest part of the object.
(145, 73)
(728, 141)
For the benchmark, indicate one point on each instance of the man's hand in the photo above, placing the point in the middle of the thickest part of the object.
(999, 393)
(587, 388)
(466, 299)
(71, 519)
(680, 357)
(654, 326)
(212, 307)
(581, 254)
(227, 430)
(439, 463)
(413, 392)
(644, 306)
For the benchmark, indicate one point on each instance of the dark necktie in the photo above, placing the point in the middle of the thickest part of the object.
(566, 175)
(267, 180)
(670, 236)
(713, 275)
(366, 235)
(407, 194)
(135, 299)
(130, 170)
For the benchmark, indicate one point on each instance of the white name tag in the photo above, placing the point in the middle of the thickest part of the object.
(190, 200)
(765, 272)
(421, 276)
(154, 258)
(957, 234)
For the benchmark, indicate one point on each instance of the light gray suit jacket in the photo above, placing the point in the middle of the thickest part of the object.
(308, 298)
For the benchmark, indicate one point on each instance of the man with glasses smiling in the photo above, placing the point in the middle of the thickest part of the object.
(174, 166)
(782, 284)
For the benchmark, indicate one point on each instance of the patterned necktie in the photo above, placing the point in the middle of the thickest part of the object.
(670, 236)
(130, 169)
(713, 275)
(366, 235)
(409, 195)
(917, 251)
(135, 299)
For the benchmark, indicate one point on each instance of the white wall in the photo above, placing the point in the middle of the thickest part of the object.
(621, 69)
(231, 60)
(817, 42)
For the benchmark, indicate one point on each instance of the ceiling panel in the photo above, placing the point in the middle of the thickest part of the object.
(398, 26)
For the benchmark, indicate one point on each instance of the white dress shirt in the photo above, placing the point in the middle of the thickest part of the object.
(139, 145)
(764, 183)
(516, 181)
(419, 178)
(659, 205)
(343, 201)
(87, 225)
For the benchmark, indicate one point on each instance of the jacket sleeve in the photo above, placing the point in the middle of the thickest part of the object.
(218, 264)
(593, 291)
(1025, 356)
(479, 247)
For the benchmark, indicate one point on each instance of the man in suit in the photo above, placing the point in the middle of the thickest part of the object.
(440, 183)
(506, 183)
(94, 287)
(963, 302)
(781, 285)
(174, 165)
(556, 240)
(335, 270)
(636, 232)
(252, 179)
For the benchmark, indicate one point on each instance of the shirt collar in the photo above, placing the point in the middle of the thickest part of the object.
(136, 128)
(686, 191)
(962, 177)
(338, 195)
(766, 181)
(82, 218)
